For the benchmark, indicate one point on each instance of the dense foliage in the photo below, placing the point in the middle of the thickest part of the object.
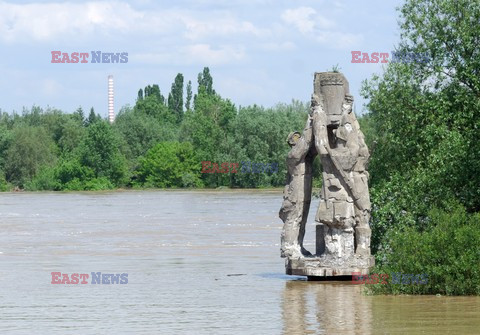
(446, 253)
(160, 142)
(425, 118)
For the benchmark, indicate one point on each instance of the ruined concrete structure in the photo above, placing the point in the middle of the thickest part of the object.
(342, 230)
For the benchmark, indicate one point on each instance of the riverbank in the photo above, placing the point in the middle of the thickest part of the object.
(222, 188)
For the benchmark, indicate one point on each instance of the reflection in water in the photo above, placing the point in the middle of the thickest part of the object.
(427, 314)
(320, 308)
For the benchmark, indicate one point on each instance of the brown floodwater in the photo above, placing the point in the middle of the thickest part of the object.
(197, 262)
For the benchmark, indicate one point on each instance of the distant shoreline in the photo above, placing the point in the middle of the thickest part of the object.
(223, 189)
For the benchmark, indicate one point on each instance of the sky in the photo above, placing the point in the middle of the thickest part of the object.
(260, 52)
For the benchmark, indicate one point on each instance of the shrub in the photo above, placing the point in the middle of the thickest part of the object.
(170, 164)
(447, 251)
(44, 180)
(4, 186)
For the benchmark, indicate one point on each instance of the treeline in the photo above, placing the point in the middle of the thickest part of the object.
(160, 142)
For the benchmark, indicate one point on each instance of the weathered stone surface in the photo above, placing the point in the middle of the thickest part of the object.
(325, 266)
(343, 232)
(297, 192)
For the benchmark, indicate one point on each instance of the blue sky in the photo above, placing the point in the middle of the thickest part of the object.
(259, 51)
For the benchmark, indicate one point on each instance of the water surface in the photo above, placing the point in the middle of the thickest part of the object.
(198, 262)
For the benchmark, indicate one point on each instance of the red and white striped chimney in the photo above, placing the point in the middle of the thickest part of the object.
(111, 110)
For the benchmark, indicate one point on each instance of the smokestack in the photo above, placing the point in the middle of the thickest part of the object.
(111, 110)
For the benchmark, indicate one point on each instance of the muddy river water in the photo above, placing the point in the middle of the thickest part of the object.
(191, 262)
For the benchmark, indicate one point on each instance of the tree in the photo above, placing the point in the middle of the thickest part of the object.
(6, 138)
(141, 132)
(211, 120)
(189, 96)
(30, 149)
(259, 135)
(79, 115)
(175, 98)
(72, 175)
(153, 104)
(92, 117)
(205, 84)
(100, 152)
(154, 91)
(71, 135)
(205, 81)
(170, 164)
(53, 120)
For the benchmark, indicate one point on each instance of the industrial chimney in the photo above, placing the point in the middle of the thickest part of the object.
(111, 110)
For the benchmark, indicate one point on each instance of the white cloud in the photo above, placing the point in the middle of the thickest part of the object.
(241, 89)
(339, 5)
(50, 87)
(204, 54)
(152, 58)
(48, 21)
(280, 46)
(220, 26)
(199, 53)
(339, 40)
(306, 19)
(318, 28)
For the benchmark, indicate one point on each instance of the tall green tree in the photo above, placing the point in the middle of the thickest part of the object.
(175, 98)
(141, 132)
(189, 96)
(205, 81)
(71, 135)
(30, 149)
(6, 137)
(208, 125)
(92, 117)
(154, 91)
(100, 152)
(153, 104)
(79, 115)
(205, 84)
